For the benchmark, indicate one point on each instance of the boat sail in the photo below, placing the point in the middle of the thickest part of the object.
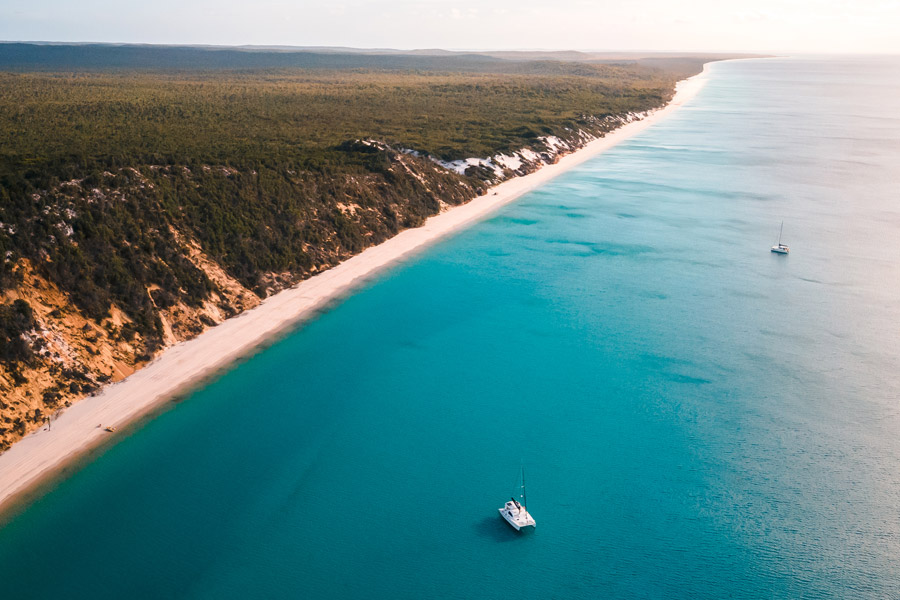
(515, 513)
(780, 248)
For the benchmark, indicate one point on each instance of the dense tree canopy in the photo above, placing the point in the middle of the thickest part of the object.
(103, 168)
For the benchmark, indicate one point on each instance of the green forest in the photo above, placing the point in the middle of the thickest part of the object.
(105, 164)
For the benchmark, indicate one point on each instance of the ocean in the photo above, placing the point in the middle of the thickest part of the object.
(697, 416)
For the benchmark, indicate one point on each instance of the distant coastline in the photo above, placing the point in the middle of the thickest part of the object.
(44, 453)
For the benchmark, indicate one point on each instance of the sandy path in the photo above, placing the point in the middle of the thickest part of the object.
(76, 430)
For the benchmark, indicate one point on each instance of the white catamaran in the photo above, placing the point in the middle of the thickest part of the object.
(514, 512)
(780, 248)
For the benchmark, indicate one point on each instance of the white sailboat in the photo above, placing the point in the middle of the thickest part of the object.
(515, 513)
(780, 248)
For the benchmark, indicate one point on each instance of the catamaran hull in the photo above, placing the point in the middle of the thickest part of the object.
(517, 522)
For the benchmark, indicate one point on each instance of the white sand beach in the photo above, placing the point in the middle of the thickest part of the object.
(43, 453)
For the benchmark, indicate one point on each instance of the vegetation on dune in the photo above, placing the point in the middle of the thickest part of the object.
(113, 179)
(60, 123)
(285, 140)
(16, 320)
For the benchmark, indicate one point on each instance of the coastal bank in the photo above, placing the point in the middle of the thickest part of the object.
(43, 454)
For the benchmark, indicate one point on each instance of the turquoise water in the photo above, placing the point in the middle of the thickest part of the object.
(699, 417)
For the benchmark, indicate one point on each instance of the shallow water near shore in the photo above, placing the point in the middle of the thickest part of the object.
(699, 417)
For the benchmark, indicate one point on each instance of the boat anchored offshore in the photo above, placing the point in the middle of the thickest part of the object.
(515, 513)
(780, 248)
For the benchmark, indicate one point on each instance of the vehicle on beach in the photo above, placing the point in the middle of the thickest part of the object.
(515, 513)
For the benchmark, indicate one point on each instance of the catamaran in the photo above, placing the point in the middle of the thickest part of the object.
(514, 512)
(780, 248)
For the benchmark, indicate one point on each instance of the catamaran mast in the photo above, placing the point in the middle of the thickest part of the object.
(524, 498)
(780, 231)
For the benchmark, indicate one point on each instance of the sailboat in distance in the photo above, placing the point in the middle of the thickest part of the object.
(780, 248)
(515, 513)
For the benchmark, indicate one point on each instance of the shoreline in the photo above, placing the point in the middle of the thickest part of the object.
(43, 455)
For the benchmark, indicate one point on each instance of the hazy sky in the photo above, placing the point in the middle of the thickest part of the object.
(815, 26)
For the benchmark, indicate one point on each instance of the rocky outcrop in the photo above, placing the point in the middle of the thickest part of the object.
(546, 150)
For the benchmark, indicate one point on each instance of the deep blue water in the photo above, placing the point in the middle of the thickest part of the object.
(699, 417)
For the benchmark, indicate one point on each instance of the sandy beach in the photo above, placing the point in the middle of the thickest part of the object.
(77, 430)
